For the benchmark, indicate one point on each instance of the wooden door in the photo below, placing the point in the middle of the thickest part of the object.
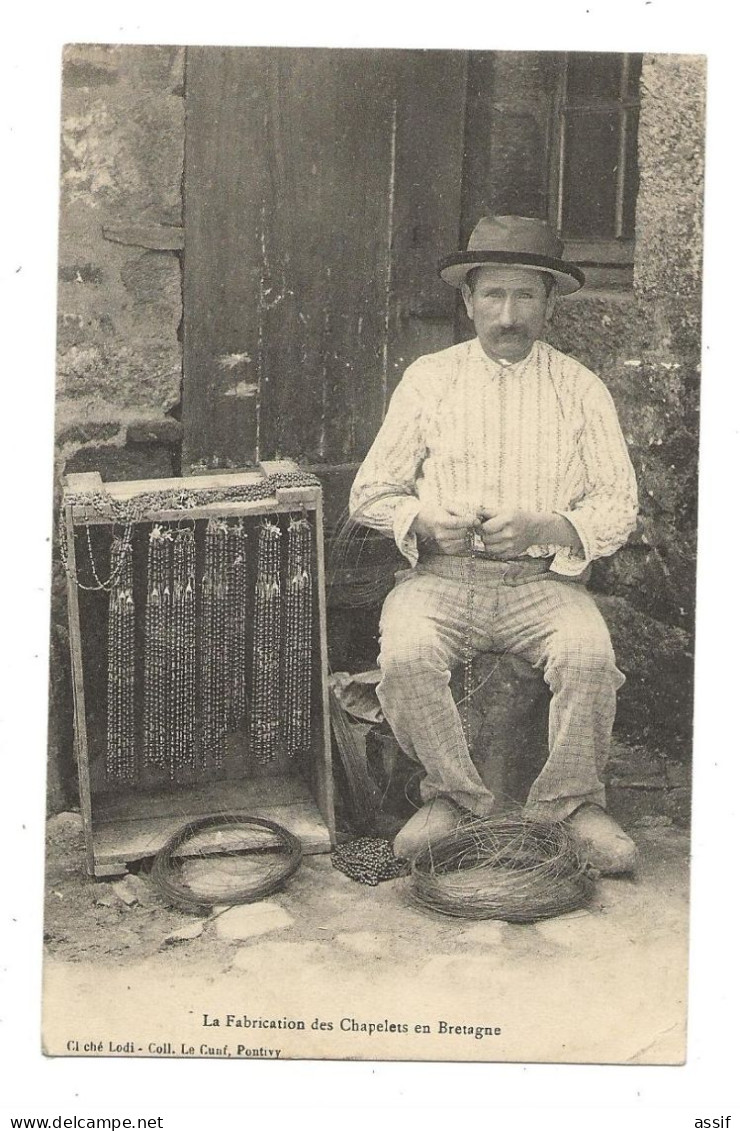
(321, 186)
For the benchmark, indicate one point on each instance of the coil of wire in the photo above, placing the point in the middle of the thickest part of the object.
(225, 860)
(511, 868)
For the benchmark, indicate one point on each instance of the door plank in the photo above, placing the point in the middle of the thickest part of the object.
(224, 204)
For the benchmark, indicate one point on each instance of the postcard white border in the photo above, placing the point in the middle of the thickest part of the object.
(629, 1096)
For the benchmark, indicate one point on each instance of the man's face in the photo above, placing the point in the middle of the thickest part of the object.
(509, 307)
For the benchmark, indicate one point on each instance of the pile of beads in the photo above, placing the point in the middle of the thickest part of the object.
(368, 860)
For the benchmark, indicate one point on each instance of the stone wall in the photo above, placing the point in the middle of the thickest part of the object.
(120, 296)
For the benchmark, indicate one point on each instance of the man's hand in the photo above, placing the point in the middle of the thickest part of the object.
(448, 530)
(506, 534)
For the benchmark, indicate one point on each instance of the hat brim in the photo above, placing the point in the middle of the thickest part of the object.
(454, 268)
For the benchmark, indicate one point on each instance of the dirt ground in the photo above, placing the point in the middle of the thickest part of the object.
(605, 984)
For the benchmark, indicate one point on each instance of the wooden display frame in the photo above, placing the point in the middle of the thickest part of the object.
(128, 825)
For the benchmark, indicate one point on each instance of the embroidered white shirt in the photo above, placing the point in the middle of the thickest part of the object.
(465, 432)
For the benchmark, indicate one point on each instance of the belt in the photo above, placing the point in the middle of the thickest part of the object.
(511, 571)
(483, 556)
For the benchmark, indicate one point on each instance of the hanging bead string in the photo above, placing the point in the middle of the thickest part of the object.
(116, 564)
(213, 652)
(182, 701)
(120, 755)
(297, 649)
(220, 664)
(291, 479)
(267, 634)
(158, 648)
(237, 634)
(134, 510)
(206, 645)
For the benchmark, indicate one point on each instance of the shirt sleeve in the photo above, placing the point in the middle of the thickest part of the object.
(383, 495)
(606, 514)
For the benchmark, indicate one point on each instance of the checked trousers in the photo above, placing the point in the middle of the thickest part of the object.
(448, 605)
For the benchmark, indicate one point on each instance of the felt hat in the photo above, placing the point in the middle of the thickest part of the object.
(513, 241)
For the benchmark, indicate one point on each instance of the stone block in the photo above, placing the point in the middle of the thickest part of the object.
(678, 775)
(598, 330)
(147, 462)
(252, 919)
(163, 431)
(132, 890)
(628, 805)
(637, 767)
(88, 73)
(678, 806)
(484, 935)
(129, 354)
(658, 580)
(649, 388)
(660, 822)
(655, 704)
(64, 827)
(123, 140)
(87, 432)
(150, 279)
(80, 273)
(185, 934)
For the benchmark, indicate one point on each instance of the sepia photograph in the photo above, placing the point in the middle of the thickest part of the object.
(374, 561)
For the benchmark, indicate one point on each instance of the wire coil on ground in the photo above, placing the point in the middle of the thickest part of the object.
(238, 860)
(513, 869)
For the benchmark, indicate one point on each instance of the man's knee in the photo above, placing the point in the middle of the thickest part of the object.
(402, 659)
(582, 654)
(412, 644)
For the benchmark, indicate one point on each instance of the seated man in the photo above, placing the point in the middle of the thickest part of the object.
(501, 472)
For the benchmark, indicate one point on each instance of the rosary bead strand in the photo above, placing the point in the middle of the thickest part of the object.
(120, 745)
(183, 682)
(238, 625)
(158, 648)
(297, 649)
(265, 720)
(207, 643)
